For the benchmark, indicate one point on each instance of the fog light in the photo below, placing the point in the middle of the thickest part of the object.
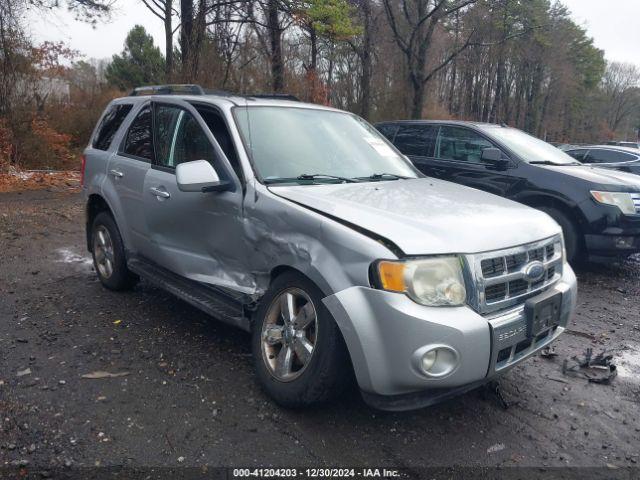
(428, 359)
(624, 242)
(436, 360)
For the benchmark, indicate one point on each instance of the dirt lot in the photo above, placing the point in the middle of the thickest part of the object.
(190, 398)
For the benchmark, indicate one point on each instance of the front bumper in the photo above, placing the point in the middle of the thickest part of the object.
(610, 233)
(618, 244)
(383, 331)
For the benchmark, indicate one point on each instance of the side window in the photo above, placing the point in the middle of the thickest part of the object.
(165, 128)
(139, 142)
(416, 140)
(608, 156)
(388, 131)
(110, 124)
(179, 138)
(462, 144)
(218, 129)
(578, 155)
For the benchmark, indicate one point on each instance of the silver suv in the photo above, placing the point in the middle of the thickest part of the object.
(304, 226)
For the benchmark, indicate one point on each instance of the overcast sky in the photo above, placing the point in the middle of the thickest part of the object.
(614, 25)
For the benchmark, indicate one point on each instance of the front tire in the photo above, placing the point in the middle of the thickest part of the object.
(572, 240)
(299, 353)
(109, 259)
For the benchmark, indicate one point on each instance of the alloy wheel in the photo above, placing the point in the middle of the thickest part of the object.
(289, 334)
(103, 251)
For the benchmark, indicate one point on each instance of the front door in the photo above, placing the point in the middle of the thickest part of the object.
(194, 234)
(458, 155)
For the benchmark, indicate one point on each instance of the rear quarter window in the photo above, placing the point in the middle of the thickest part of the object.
(110, 124)
(139, 140)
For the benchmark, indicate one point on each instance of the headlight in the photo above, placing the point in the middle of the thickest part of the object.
(622, 200)
(433, 281)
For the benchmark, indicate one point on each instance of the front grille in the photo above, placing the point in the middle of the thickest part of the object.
(501, 278)
(495, 292)
(636, 201)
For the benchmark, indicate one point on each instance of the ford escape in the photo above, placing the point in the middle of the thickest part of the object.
(304, 226)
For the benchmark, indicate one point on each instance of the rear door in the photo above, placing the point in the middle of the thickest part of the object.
(417, 142)
(126, 171)
(196, 235)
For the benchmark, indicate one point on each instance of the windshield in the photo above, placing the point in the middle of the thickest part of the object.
(311, 145)
(529, 148)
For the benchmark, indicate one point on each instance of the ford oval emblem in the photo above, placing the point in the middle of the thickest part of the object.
(534, 271)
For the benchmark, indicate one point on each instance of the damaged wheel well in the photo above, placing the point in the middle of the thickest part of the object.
(95, 205)
(280, 269)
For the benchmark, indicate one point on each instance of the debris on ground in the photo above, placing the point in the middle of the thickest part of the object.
(496, 448)
(598, 369)
(548, 352)
(581, 334)
(494, 389)
(17, 180)
(99, 374)
(22, 373)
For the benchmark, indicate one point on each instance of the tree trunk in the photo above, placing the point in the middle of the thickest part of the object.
(313, 38)
(365, 57)
(168, 34)
(198, 35)
(275, 45)
(418, 100)
(186, 37)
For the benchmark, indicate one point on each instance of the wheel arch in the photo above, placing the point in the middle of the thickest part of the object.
(96, 204)
(572, 212)
(307, 271)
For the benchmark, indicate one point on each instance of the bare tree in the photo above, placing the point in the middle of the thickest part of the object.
(163, 9)
(413, 24)
(621, 88)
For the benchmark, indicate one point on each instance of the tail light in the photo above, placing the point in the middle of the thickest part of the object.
(83, 165)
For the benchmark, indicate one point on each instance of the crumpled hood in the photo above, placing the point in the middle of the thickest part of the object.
(427, 216)
(606, 178)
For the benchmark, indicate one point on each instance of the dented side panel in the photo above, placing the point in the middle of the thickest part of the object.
(236, 239)
(281, 233)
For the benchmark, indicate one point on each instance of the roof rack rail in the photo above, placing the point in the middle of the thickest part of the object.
(194, 89)
(187, 88)
(275, 96)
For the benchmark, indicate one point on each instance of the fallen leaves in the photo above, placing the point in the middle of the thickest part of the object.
(17, 180)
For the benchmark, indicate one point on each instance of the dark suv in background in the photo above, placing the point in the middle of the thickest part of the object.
(598, 209)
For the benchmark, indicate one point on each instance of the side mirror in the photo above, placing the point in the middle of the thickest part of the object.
(199, 176)
(493, 156)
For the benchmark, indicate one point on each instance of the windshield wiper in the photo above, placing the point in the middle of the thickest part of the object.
(308, 176)
(547, 162)
(392, 176)
(316, 176)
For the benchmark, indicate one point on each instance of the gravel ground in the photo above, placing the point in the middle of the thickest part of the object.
(188, 395)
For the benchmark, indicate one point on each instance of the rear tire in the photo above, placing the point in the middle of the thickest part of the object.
(109, 258)
(572, 240)
(297, 366)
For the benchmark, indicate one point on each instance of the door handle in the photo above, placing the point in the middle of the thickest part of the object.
(159, 193)
(116, 173)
